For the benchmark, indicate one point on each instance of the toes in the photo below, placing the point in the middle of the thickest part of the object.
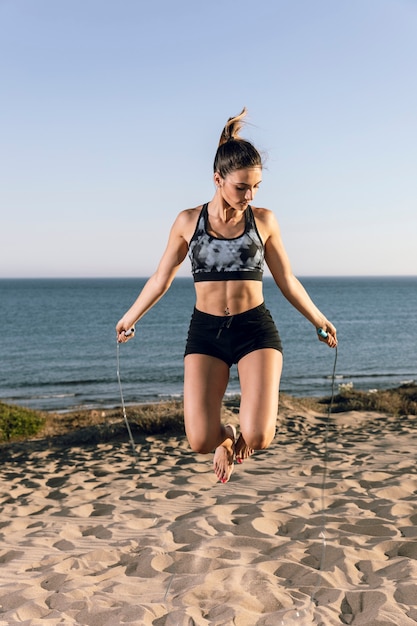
(242, 450)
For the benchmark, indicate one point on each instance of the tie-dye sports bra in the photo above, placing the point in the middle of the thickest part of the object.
(240, 258)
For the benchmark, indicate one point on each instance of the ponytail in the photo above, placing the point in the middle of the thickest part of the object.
(232, 128)
(233, 152)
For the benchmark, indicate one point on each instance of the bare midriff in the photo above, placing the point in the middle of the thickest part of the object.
(229, 297)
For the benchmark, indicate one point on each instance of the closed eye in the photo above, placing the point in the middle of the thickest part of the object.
(244, 188)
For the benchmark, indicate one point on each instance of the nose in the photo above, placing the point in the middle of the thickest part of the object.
(249, 194)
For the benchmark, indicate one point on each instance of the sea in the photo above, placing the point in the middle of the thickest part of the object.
(59, 352)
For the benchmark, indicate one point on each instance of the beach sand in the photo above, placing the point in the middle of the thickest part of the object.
(87, 536)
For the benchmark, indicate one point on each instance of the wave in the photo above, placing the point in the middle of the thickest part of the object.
(396, 375)
(39, 396)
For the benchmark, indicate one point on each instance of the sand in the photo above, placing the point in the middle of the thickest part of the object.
(88, 537)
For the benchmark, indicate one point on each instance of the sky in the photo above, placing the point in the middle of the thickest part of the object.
(112, 111)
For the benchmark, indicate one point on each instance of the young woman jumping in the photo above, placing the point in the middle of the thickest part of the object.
(229, 241)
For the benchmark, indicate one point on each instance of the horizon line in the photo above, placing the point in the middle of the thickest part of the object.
(142, 277)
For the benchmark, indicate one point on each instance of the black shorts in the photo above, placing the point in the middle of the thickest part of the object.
(231, 337)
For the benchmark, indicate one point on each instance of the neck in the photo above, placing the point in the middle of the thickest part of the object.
(218, 207)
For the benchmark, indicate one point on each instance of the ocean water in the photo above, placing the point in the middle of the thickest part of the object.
(58, 346)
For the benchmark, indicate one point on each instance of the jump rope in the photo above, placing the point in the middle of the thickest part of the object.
(129, 432)
(323, 334)
(313, 597)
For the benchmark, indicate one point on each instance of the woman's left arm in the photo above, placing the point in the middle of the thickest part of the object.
(279, 264)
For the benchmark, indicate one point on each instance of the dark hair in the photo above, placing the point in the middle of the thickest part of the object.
(235, 153)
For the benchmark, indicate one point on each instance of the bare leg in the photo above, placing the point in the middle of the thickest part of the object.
(205, 382)
(259, 374)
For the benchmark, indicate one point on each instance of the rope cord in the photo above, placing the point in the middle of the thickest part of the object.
(132, 442)
(323, 483)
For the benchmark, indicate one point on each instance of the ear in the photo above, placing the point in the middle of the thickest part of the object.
(218, 180)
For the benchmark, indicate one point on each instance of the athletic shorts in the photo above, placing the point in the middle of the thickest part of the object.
(231, 337)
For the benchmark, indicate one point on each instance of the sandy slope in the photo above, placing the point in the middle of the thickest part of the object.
(87, 538)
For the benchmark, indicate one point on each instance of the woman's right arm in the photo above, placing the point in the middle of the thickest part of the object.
(159, 283)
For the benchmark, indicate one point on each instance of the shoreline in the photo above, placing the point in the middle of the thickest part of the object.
(97, 404)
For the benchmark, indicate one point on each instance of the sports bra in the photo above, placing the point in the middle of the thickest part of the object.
(240, 258)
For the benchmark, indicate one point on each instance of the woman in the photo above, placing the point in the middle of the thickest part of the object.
(228, 242)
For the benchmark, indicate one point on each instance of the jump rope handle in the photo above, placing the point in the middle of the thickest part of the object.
(322, 333)
(129, 332)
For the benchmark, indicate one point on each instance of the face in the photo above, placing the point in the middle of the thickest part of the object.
(239, 188)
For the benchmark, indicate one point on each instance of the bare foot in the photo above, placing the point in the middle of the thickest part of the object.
(242, 451)
(224, 455)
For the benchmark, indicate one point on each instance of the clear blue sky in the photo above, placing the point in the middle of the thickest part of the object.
(111, 113)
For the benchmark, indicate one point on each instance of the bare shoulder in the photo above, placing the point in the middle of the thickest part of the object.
(262, 214)
(186, 222)
(266, 222)
(189, 215)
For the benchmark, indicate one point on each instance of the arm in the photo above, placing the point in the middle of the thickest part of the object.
(278, 262)
(159, 283)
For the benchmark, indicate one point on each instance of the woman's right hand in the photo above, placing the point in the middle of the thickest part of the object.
(124, 331)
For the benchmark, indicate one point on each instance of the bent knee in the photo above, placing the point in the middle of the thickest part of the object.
(201, 447)
(259, 441)
(199, 444)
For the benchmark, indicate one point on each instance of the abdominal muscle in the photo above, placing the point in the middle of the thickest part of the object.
(229, 297)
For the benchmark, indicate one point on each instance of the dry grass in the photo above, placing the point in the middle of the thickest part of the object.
(399, 401)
